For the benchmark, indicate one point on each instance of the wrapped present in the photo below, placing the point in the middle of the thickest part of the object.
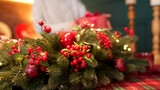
(99, 20)
(149, 57)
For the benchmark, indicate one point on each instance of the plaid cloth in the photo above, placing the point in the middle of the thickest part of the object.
(143, 82)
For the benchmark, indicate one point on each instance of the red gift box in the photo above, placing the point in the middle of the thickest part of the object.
(99, 21)
(149, 57)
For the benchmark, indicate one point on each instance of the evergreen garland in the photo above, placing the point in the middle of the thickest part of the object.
(57, 72)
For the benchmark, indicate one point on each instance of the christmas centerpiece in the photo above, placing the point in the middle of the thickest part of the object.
(89, 58)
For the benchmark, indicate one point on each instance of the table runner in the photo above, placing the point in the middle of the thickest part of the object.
(143, 82)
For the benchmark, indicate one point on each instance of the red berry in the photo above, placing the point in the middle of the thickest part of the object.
(118, 36)
(77, 66)
(30, 50)
(72, 53)
(62, 51)
(111, 45)
(116, 33)
(43, 69)
(74, 47)
(75, 70)
(12, 53)
(81, 47)
(40, 22)
(44, 58)
(88, 55)
(47, 29)
(86, 47)
(46, 53)
(77, 48)
(26, 56)
(36, 62)
(57, 33)
(15, 50)
(65, 53)
(18, 51)
(78, 53)
(111, 56)
(38, 48)
(31, 61)
(83, 52)
(125, 28)
(68, 47)
(33, 56)
(80, 59)
(83, 65)
(38, 58)
(83, 61)
(14, 47)
(75, 58)
(75, 62)
(131, 33)
(71, 49)
(72, 64)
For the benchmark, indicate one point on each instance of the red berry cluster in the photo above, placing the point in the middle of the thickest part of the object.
(116, 33)
(104, 40)
(77, 52)
(87, 24)
(47, 29)
(130, 32)
(33, 59)
(15, 50)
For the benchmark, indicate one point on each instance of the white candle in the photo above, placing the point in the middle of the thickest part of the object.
(155, 2)
(128, 2)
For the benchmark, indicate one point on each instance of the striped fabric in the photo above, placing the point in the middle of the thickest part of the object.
(143, 82)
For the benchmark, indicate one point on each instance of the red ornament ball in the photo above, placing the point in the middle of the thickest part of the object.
(120, 65)
(67, 38)
(47, 29)
(32, 71)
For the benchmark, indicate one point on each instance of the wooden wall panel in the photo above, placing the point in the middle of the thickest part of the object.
(13, 13)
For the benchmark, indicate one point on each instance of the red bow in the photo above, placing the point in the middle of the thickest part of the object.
(89, 14)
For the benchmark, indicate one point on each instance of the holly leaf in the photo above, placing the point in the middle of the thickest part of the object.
(75, 43)
(91, 61)
(66, 50)
(76, 28)
(17, 57)
(43, 63)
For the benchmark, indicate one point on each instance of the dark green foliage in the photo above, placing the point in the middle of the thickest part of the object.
(99, 70)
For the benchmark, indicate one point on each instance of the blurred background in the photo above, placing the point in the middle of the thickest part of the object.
(17, 16)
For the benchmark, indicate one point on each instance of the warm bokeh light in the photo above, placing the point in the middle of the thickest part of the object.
(23, 1)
